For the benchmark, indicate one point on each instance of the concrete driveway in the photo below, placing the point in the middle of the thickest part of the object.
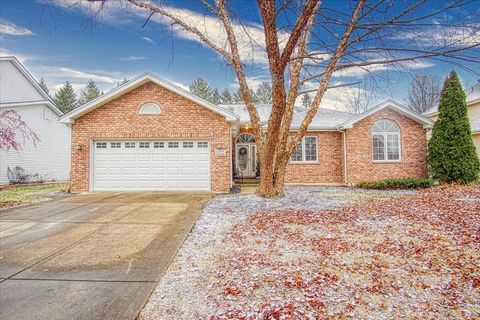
(91, 256)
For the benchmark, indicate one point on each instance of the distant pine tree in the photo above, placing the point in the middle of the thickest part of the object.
(451, 153)
(226, 97)
(215, 97)
(264, 93)
(122, 82)
(65, 98)
(90, 92)
(200, 88)
(44, 87)
(237, 97)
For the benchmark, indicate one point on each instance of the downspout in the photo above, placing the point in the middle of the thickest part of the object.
(345, 171)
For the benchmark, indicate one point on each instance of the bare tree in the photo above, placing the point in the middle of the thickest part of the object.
(424, 92)
(13, 130)
(358, 99)
(307, 42)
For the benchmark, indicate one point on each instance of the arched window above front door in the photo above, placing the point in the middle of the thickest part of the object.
(246, 138)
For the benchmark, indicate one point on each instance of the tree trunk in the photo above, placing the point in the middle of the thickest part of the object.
(272, 176)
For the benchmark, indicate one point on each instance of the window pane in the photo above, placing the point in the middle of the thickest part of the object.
(378, 144)
(144, 145)
(297, 153)
(393, 147)
(202, 144)
(173, 144)
(188, 144)
(158, 144)
(310, 148)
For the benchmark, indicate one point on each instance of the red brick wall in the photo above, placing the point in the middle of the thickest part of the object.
(180, 119)
(328, 169)
(413, 142)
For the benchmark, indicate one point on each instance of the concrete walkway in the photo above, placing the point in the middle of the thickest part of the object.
(91, 256)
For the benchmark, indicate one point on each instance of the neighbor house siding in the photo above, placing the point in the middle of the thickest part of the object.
(413, 143)
(14, 87)
(328, 168)
(180, 119)
(49, 157)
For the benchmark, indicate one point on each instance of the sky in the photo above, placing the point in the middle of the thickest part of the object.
(58, 40)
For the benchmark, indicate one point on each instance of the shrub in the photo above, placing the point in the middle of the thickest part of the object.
(452, 156)
(397, 183)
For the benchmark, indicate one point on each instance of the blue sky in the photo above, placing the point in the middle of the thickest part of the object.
(58, 43)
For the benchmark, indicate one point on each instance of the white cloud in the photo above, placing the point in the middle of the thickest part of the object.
(356, 71)
(250, 37)
(252, 81)
(443, 36)
(147, 39)
(9, 28)
(132, 58)
(73, 74)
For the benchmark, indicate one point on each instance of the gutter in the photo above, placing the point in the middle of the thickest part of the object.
(345, 171)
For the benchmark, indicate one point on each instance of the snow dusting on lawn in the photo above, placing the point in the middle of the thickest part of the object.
(328, 253)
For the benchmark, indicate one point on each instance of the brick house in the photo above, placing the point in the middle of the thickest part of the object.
(149, 134)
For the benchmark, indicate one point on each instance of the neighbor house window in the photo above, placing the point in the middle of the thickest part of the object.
(306, 150)
(385, 141)
(149, 109)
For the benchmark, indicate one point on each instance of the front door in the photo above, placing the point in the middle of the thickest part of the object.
(246, 159)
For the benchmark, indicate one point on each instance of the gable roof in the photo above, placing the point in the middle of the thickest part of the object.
(135, 83)
(46, 98)
(427, 123)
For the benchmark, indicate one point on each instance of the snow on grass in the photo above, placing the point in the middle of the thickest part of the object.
(325, 252)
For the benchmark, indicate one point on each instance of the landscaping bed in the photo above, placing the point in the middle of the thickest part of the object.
(312, 255)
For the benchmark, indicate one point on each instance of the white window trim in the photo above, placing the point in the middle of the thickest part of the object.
(150, 113)
(385, 134)
(304, 150)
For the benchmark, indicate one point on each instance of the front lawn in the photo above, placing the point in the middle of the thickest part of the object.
(313, 255)
(11, 196)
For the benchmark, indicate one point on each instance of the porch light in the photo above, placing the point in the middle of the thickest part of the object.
(78, 146)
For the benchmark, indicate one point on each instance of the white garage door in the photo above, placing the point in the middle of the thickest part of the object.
(151, 166)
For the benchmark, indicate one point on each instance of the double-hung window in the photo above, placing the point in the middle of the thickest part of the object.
(385, 141)
(306, 150)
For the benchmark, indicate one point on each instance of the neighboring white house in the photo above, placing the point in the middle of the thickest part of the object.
(50, 157)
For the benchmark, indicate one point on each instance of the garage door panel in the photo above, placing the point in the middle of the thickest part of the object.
(156, 166)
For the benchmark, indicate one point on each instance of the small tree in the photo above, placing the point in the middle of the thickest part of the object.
(44, 87)
(12, 129)
(200, 88)
(451, 153)
(65, 98)
(423, 93)
(90, 92)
